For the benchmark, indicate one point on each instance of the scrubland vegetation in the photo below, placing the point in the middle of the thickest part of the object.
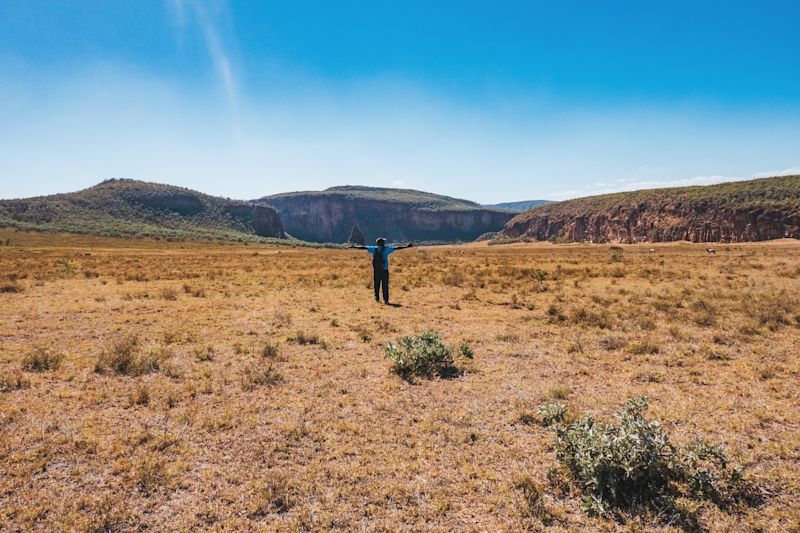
(176, 386)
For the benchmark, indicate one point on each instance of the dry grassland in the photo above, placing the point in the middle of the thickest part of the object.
(161, 387)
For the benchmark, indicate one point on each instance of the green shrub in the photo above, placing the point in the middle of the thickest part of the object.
(466, 350)
(552, 413)
(540, 276)
(67, 267)
(421, 355)
(630, 464)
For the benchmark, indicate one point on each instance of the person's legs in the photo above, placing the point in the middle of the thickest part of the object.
(386, 286)
(376, 280)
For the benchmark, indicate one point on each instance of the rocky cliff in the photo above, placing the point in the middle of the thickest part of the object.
(126, 208)
(398, 214)
(752, 210)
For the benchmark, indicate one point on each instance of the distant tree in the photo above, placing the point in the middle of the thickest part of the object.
(356, 237)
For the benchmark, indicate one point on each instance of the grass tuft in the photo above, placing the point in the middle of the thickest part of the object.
(41, 359)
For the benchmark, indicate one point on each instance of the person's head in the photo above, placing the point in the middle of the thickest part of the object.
(380, 242)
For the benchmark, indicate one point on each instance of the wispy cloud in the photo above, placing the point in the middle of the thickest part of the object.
(207, 14)
(628, 184)
(785, 172)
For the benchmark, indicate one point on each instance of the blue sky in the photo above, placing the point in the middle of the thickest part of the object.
(491, 101)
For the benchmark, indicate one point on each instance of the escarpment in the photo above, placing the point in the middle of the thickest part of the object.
(754, 210)
(330, 215)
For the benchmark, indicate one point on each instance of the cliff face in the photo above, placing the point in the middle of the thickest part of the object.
(330, 218)
(755, 210)
(263, 220)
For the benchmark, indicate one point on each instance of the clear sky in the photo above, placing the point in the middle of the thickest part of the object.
(486, 100)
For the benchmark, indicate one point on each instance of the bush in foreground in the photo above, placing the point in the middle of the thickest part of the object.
(41, 359)
(630, 464)
(423, 355)
(126, 356)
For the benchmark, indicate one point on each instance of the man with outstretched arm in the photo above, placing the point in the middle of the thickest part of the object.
(380, 265)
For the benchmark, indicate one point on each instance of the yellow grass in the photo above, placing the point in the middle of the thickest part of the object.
(259, 397)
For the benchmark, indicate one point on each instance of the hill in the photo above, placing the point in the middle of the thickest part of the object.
(398, 214)
(131, 208)
(520, 206)
(755, 210)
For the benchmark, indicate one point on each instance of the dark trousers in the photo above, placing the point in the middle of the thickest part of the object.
(381, 278)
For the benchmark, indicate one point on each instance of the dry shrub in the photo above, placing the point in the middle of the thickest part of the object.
(770, 310)
(533, 498)
(254, 375)
(510, 338)
(141, 395)
(204, 354)
(304, 338)
(559, 392)
(271, 350)
(599, 319)
(704, 314)
(170, 294)
(10, 288)
(104, 515)
(151, 475)
(613, 343)
(40, 359)
(281, 319)
(13, 380)
(646, 347)
(126, 356)
(554, 314)
(454, 277)
(274, 494)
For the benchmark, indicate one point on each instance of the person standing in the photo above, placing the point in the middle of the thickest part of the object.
(380, 265)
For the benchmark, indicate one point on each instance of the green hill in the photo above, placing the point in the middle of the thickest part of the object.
(131, 208)
(398, 214)
(520, 206)
(754, 210)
